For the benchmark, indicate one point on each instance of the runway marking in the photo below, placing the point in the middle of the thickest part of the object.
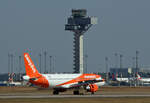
(70, 96)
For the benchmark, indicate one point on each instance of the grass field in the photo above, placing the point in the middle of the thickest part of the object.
(78, 100)
(102, 91)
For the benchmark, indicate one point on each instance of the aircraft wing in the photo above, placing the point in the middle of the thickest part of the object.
(85, 83)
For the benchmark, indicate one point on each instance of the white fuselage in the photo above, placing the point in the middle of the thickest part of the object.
(56, 79)
(147, 80)
(127, 80)
(122, 79)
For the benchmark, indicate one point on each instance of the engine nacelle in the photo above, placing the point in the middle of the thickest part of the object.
(92, 88)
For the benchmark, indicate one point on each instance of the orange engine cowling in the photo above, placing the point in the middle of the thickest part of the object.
(92, 88)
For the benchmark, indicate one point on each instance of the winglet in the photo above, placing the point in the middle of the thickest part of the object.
(30, 68)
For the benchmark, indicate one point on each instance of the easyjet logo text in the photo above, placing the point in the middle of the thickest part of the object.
(30, 63)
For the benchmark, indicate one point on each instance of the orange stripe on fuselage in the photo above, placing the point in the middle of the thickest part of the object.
(83, 77)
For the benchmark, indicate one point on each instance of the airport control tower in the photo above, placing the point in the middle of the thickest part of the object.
(79, 23)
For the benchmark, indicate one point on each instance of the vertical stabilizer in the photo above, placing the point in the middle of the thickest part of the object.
(30, 68)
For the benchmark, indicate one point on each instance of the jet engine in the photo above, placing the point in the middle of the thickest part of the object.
(92, 88)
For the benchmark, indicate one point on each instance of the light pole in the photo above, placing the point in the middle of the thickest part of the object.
(50, 58)
(40, 62)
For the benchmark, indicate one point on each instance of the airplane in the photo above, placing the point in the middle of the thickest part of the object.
(15, 83)
(125, 79)
(144, 80)
(122, 79)
(61, 82)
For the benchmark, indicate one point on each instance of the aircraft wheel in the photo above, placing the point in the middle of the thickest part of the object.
(55, 92)
(92, 93)
(76, 92)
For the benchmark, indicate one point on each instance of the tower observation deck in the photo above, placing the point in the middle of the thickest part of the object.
(79, 23)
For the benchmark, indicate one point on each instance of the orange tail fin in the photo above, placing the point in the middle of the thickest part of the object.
(30, 68)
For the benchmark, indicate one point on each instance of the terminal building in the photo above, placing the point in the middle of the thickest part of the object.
(127, 72)
(145, 70)
(121, 72)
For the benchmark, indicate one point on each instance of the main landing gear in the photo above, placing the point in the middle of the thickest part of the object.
(76, 92)
(92, 93)
(55, 92)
